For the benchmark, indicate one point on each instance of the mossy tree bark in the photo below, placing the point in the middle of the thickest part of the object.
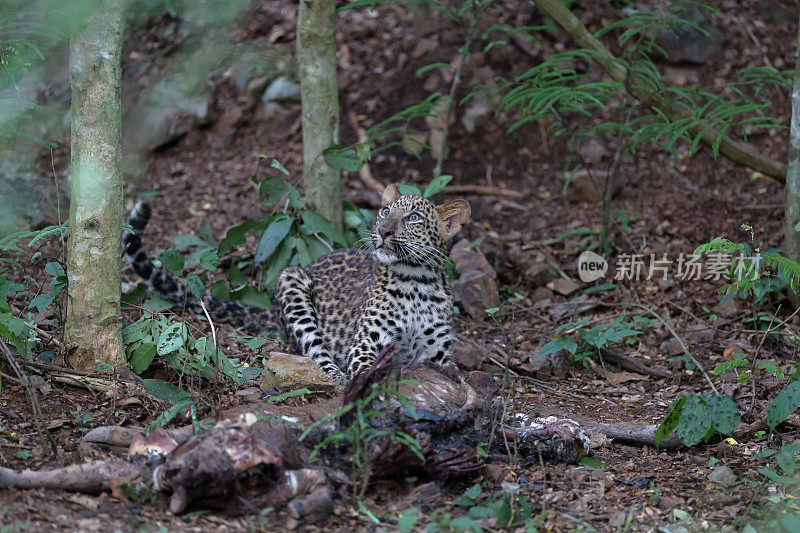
(791, 242)
(316, 58)
(93, 331)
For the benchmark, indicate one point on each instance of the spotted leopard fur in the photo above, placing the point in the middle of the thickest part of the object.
(343, 308)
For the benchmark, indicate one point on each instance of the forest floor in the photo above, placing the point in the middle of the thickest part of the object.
(681, 202)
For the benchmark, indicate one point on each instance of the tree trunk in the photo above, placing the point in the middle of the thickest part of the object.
(316, 58)
(93, 330)
(791, 245)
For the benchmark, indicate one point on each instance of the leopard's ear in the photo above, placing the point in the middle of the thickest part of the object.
(452, 215)
(391, 194)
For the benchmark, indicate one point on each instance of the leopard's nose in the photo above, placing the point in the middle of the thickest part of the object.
(385, 233)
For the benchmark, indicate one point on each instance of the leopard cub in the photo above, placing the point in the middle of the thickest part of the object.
(343, 308)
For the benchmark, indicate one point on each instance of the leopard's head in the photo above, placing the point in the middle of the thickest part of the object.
(412, 230)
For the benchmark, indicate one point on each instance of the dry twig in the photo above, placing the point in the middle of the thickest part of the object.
(43, 333)
(364, 173)
(632, 364)
(36, 407)
(485, 190)
(685, 349)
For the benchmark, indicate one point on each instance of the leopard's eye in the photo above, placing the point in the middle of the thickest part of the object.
(414, 217)
(384, 212)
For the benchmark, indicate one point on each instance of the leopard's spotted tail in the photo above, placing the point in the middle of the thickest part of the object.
(254, 319)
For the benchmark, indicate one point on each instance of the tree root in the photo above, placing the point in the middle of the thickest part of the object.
(642, 435)
(632, 364)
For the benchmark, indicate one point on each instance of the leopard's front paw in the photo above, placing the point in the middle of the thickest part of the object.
(335, 374)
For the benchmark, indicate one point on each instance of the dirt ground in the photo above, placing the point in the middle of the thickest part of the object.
(682, 202)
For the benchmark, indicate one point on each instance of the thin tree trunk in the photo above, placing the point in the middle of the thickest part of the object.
(316, 57)
(791, 245)
(93, 331)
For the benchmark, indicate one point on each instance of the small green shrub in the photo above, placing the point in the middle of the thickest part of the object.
(698, 417)
(16, 328)
(155, 334)
(584, 342)
(752, 272)
(508, 506)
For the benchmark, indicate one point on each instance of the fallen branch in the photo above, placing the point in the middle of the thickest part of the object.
(43, 333)
(88, 477)
(632, 364)
(735, 149)
(643, 435)
(206, 467)
(686, 351)
(94, 381)
(484, 190)
(639, 435)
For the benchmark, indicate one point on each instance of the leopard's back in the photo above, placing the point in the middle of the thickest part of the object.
(344, 283)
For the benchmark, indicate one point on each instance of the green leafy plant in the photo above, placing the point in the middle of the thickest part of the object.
(584, 342)
(17, 327)
(786, 462)
(508, 507)
(778, 511)
(381, 136)
(154, 334)
(433, 188)
(698, 417)
(80, 418)
(740, 360)
(563, 91)
(784, 404)
(181, 401)
(13, 328)
(291, 235)
(751, 272)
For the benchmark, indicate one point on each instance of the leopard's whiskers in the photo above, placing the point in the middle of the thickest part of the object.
(365, 241)
(417, 256)
(433, 250)
(432, 256)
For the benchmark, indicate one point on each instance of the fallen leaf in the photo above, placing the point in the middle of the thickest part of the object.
(618, 378)
(82, 499)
